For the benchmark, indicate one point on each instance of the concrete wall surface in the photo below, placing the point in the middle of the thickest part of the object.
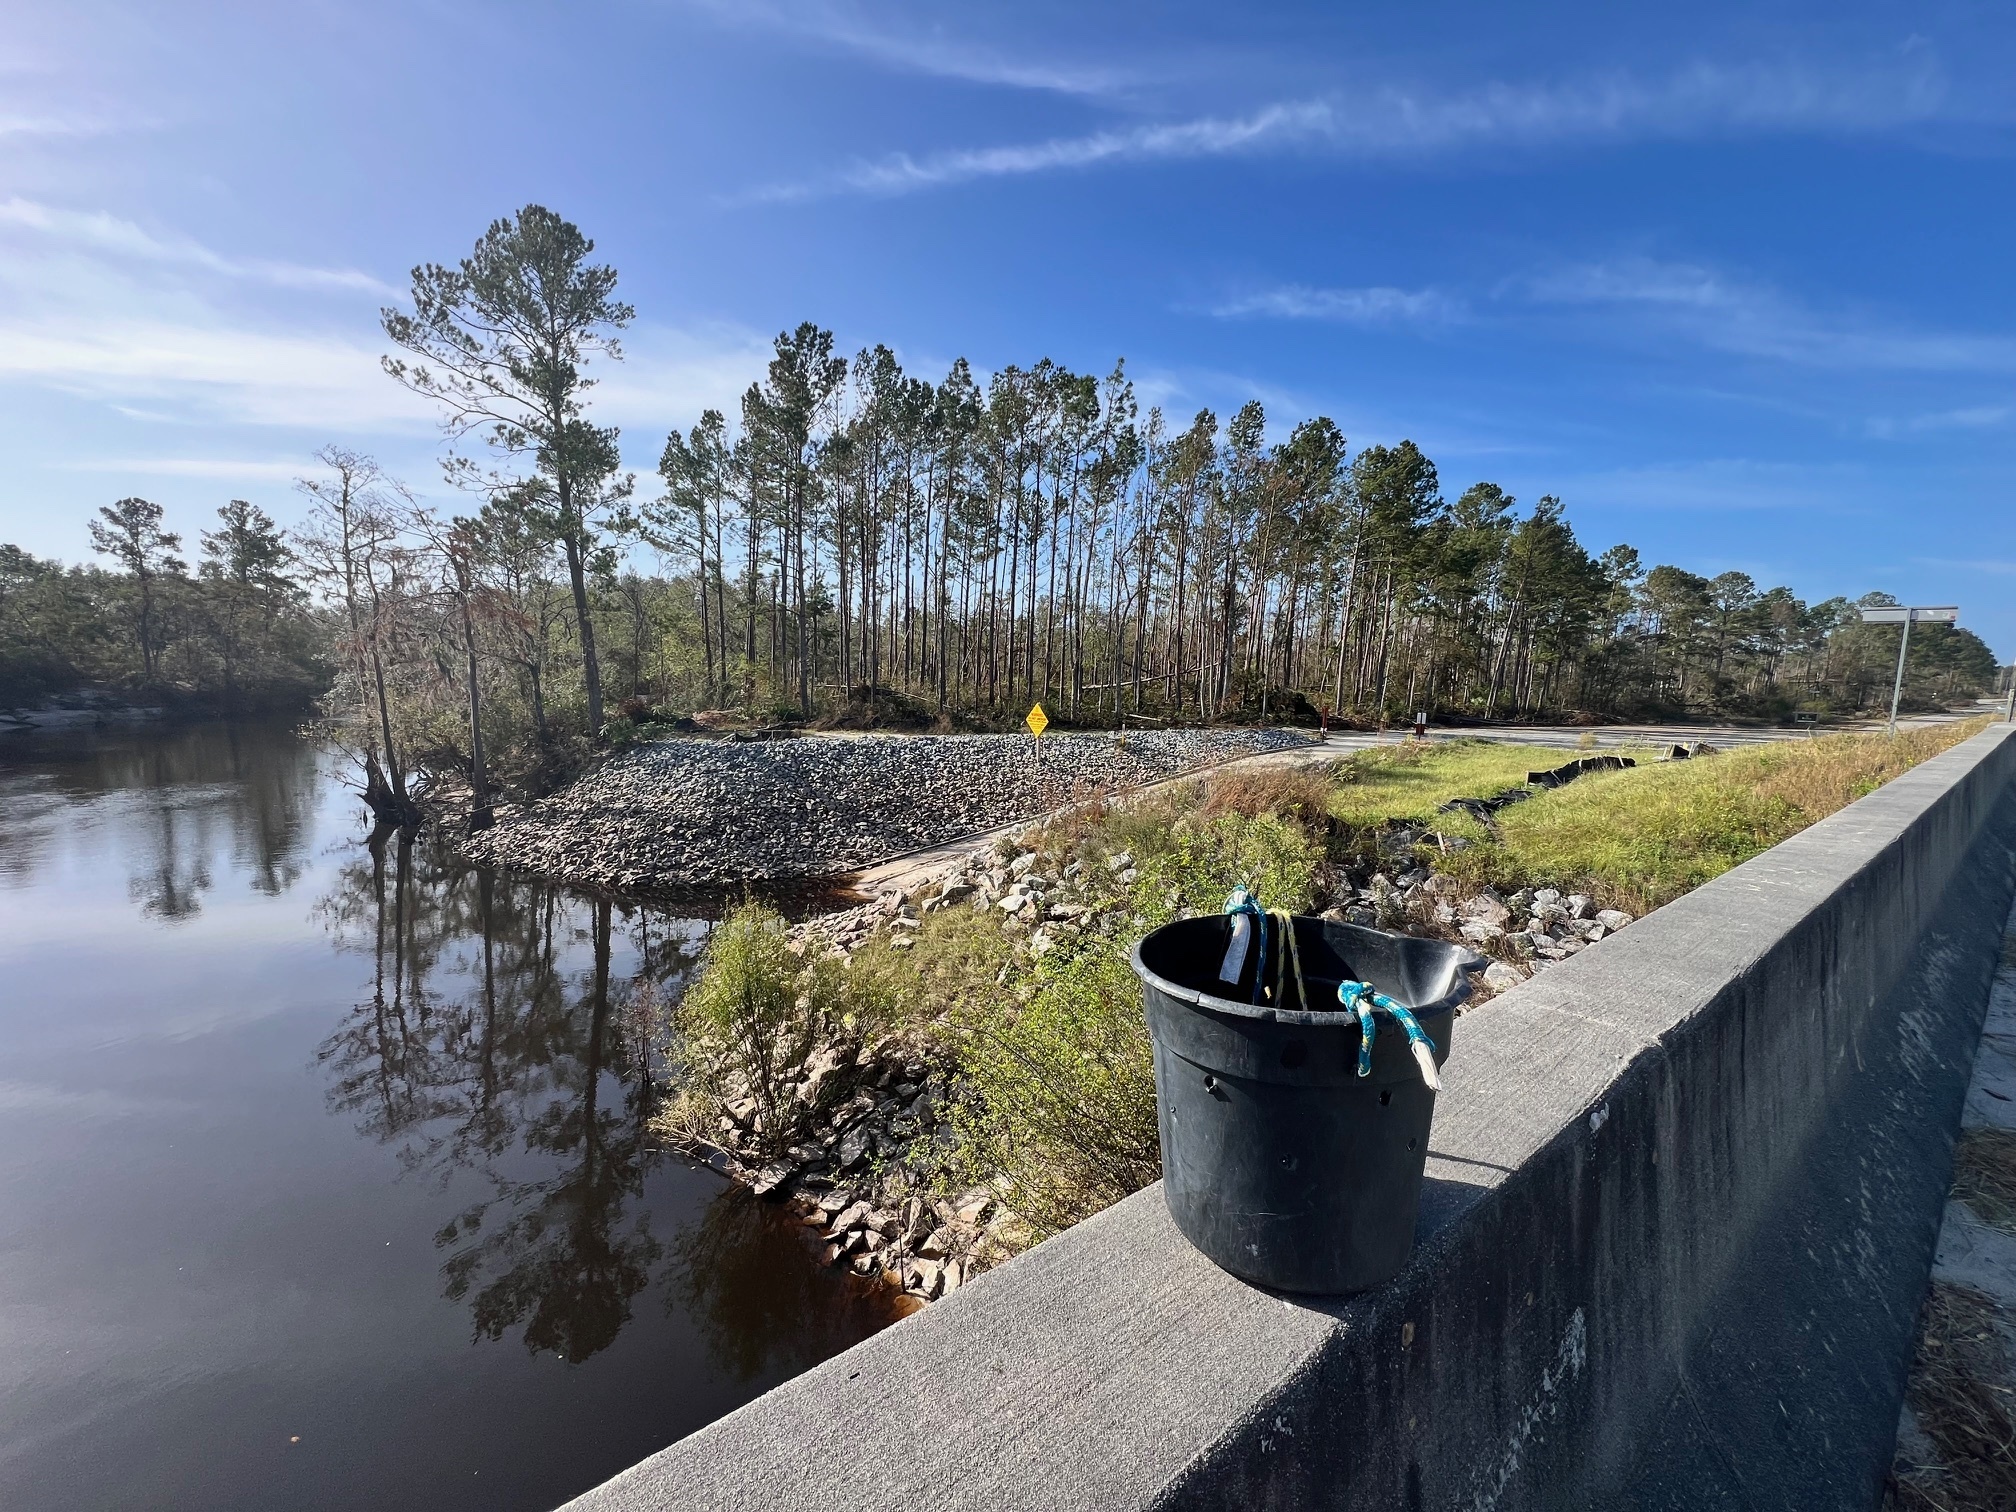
(1682, 1200)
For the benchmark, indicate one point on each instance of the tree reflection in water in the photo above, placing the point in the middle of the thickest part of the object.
(744, 1276)
(495, 1030)
(192, 804)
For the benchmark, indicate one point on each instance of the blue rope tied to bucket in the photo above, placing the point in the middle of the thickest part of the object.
(1362, 999)
(1359, 998)
(1243, 903)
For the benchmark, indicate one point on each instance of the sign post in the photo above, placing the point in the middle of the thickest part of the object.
(1038, 722)
(1944, 614)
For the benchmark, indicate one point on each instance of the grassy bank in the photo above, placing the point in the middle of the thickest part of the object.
(1009, 979)
(1639, 838)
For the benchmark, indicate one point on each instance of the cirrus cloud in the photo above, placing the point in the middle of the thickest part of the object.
(1386, 123)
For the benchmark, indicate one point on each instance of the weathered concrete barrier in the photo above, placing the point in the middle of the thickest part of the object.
(1681, 1210)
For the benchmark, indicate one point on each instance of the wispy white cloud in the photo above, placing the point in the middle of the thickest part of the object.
(1972, 417)
(1718, 483)
(216, 368)
(1726, 313)
(914, 47)
(248, 469)
(901, 173)
(23, 124)
(1375, 305)
(108, 234)
(101, 310)
(1377, 124)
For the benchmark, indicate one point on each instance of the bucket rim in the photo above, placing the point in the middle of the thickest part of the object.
(1266, 1013)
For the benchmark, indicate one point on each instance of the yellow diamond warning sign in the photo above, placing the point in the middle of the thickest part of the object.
(1037, 721)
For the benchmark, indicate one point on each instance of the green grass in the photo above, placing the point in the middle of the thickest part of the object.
(1639, 838)
(1410, 781)
(1633, 839)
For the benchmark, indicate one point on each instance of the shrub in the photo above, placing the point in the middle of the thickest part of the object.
(1203, 859)
(751, 1016)
(1060, 1093)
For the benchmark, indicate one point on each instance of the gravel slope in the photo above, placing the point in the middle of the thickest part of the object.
(700, 813)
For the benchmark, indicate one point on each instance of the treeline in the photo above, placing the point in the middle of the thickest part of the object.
(1042, 540)
(861, 536)
(238, 632)
(863, 544)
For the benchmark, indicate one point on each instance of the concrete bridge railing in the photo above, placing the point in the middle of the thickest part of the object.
(1681, 1207)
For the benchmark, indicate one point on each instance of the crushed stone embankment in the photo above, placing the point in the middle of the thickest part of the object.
(685, 814)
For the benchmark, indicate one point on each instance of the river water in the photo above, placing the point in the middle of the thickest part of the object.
(325, 1179)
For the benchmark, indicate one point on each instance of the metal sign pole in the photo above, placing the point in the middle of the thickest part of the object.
(1900, 614)
(1897, 687)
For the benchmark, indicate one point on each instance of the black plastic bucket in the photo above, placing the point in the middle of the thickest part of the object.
(1279, 1161)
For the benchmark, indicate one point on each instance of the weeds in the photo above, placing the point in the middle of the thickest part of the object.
(1202, 859)
(1413, 780)
(1062, 1090)
(1953, 1397)
(1293, 793)
(1984, 1175)
(956, 962)
(1641, 838)
(1632, 839)
(1055, 1060)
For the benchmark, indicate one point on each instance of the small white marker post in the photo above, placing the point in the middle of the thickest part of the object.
(1944, 614)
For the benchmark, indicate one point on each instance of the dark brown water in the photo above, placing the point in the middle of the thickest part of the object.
(324, 1175)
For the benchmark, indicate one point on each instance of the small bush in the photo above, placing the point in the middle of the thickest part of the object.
(1061, 1091)
(1202, 860)
(751, 1016)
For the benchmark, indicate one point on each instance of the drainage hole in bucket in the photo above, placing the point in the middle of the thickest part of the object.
(1210, 1082)
(1287, 1162)
(1410, 1144)
(1385, 1097)
(1294, 1054)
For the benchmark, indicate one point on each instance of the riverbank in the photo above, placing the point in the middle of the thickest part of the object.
(106, 708)
(690, 814)
(974, 1072)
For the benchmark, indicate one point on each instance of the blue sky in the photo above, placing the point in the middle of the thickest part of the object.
(1734, 281)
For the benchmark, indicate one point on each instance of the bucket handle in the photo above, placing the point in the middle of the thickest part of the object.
(1362, 999)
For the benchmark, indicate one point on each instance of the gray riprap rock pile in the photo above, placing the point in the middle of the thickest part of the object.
(858, 1117)
(1525, 931)
(698, 813)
